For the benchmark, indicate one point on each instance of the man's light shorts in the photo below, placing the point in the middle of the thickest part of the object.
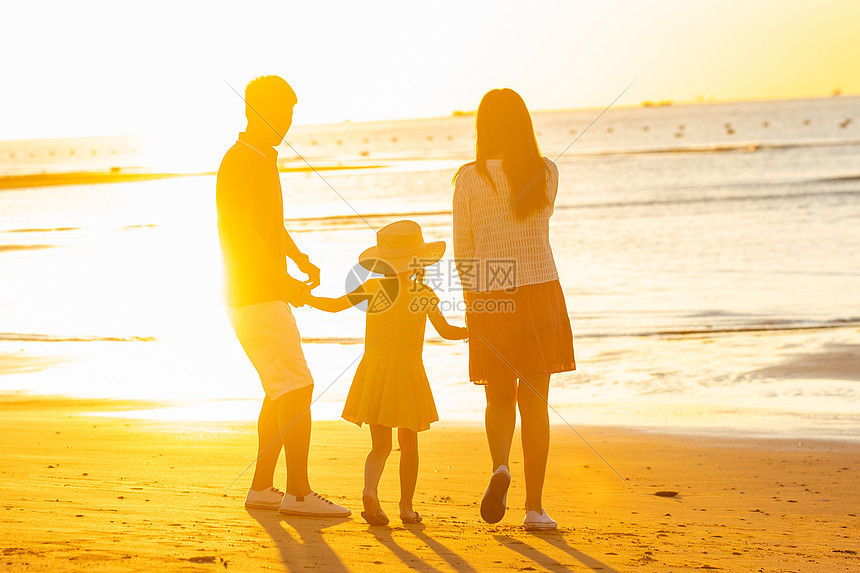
(268, 333)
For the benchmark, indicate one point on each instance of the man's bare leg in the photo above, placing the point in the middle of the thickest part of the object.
(269, 444)
(294, 420)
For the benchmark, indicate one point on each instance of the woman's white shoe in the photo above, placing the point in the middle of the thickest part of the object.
(270, 498)
(535, 521)
(312, 504)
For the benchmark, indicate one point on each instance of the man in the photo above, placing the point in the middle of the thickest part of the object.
(254, 246)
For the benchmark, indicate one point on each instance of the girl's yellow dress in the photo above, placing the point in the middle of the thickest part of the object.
(390, 387)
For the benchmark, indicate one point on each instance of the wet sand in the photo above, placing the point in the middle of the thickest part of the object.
(93, 493)
(122, 175)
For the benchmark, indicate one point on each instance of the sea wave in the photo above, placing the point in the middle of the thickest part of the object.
(718, 199)
(738, 147)
(761, 327)
(304, 224)
(334, 222)
(752, 327)
(42, 230)
(743, 147)
(66, 229)
(32, 337)
(9, 248)
(434, 159)
(838, 178)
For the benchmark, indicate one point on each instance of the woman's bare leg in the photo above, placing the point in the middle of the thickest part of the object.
(500, 418)
(534, 417)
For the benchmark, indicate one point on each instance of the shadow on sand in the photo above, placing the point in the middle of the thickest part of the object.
(300, 540)
(302, 546)
(413, 561)
(383, 535)
(555, 538)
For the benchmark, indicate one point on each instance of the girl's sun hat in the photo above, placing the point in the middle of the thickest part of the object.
(400, 247)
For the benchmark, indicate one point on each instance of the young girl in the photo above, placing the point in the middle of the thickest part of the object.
(390, 388)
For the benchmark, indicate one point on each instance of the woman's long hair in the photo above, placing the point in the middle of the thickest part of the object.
(505, 131)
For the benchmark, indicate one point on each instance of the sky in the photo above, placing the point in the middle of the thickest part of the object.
(109, 68)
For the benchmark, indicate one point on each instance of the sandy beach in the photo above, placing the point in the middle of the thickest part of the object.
(82, 492)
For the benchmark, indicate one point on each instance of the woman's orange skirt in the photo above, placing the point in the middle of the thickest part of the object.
(515, 331)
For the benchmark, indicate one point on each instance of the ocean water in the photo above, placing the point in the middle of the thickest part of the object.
(702, 248)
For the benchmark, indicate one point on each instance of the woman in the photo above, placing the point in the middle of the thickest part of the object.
(519, 331)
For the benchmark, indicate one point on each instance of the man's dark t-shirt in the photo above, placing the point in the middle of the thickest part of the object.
(249, 201)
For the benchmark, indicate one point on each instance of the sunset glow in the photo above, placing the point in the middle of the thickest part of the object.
(491, 286)
(99, 68)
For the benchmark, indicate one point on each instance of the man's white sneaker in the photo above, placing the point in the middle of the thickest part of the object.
(535, 521)
(496, 497)
(270, 498)
(312, 504)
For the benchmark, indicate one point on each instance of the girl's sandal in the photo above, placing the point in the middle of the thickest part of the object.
(411, 520)
(372, 513)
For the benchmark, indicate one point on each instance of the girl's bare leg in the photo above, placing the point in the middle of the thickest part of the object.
(374, 465)
(408, 440)
(534, 416)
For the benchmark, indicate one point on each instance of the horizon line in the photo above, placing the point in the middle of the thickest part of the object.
(466, 113)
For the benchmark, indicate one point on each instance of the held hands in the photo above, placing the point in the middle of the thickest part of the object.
(306, 266)
(294, 291)
(303, 295)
